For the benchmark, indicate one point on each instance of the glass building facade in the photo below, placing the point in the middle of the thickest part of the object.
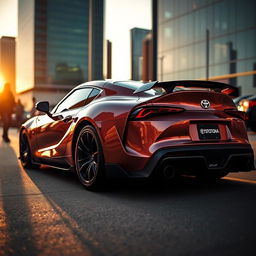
(54, 38)
(61, 41)
(182, 41)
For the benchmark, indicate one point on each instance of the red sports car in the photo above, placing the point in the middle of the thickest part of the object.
(120, 129)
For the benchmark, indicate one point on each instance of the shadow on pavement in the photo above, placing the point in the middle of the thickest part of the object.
(191, 213)
(30, 222)
(49, 179)
(18, 233)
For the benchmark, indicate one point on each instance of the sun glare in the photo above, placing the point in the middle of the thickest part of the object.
(1, 83)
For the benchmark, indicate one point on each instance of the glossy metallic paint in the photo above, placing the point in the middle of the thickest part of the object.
(131, 144)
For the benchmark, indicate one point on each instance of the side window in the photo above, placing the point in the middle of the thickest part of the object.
(75, 100)
(92, 95)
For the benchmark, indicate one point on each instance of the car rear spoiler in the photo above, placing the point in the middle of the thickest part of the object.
(170, 86)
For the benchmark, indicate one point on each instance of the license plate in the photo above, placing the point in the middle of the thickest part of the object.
(208, 131)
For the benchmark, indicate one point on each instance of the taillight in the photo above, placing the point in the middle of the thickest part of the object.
(147, 112)
(236, 113)
(229, 91)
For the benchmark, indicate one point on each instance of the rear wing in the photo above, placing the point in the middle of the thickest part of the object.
(171, 85)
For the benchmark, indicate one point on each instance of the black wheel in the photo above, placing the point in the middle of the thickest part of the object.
(253, 127)
(252, 119)
(25, 153)
(89, 160)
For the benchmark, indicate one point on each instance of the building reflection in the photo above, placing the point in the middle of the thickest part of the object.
(181, 36)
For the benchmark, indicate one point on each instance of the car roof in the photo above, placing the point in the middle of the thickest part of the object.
(98, 83)
(113, 85)
(111, 81)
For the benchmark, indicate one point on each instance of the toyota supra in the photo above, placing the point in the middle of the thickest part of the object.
(126, 129)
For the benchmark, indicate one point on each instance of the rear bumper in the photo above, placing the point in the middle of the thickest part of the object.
(193, 159)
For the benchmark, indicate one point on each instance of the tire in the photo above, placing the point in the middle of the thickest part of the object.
(252, 119)
(253, 127)
(89, 160)
(25, 152)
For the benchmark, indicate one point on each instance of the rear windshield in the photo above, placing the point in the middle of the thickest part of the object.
(130, 84)
(133, 85)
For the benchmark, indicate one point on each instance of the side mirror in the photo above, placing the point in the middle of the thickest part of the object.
(43, 106)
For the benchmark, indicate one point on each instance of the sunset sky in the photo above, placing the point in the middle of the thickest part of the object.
(121, 16)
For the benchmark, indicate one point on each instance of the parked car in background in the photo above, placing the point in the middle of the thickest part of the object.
(248, 105)
(240, 98)
(14, 123)
(25, 117)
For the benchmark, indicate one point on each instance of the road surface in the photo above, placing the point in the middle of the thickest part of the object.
(47, 212)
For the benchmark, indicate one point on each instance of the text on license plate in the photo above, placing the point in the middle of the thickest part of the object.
(208, 131)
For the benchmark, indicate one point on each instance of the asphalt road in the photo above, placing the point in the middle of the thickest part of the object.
(47, 212)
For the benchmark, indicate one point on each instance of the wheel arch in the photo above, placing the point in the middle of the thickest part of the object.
(77, 130)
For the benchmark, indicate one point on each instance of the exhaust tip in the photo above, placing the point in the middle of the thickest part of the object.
(169, 172)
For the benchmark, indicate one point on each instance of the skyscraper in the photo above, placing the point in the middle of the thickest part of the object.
(182, 41)
(96, 43)
(54, 39)
(137, 36)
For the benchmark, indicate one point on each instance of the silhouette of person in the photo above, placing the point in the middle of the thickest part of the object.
(33, 111)
(19, 113)
(7, 104)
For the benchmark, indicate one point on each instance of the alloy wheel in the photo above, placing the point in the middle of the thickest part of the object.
(87, 156)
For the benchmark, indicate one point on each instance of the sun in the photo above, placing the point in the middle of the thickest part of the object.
(1, 83)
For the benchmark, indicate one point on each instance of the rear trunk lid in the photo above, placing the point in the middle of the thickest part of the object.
(202, 120)
(195, 100)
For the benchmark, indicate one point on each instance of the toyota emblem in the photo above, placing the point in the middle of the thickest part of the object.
(205, 103)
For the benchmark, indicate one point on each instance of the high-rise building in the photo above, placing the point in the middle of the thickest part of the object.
(96, 40)
(137, 36)
(59, 45)
(223, 30)
(7, 60)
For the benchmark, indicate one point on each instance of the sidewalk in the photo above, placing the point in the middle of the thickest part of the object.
(14, 137)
